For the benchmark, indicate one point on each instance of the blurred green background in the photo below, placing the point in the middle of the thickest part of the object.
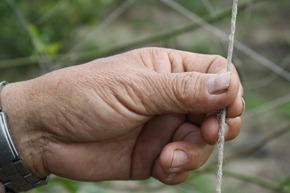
(40, 36)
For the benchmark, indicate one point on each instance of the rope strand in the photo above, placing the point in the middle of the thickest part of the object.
(222, 114)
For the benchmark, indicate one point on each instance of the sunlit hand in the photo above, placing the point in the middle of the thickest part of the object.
(148, 112)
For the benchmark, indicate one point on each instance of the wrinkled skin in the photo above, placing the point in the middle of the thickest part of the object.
(147, 112)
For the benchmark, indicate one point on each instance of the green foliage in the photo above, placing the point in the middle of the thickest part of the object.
(203, 183)
(51, 25)
(57, 184)
(196, 6)
(285, 110)
(14, 39)
(254, 101)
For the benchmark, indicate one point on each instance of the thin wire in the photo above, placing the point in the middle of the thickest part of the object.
(223, 113)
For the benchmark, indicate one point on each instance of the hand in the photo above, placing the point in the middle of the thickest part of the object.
(147, 112)
(2, 188)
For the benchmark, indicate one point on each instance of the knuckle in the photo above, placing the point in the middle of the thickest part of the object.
(220, 60)
(218, 63)
(184, 86)
(189, 89)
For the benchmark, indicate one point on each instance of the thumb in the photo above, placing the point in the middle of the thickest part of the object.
(192, 92)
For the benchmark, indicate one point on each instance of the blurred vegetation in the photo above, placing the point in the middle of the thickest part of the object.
(40, 36)
(48, 26)
(44, 27)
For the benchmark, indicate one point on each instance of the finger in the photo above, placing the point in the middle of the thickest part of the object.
(237, 108)
(234, 126)
(164, 60)
(202, 85)
(195, 118)
(210, 127)
(188, 92)
(155, 135)
(188, 152)
(170, 178)
(189, 88)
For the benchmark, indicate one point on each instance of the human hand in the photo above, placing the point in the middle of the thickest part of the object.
(147, 112)
(2, 188)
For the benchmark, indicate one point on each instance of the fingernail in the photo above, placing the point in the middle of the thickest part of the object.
(219, 83)
(226, 128)
(244, 105)
(179, 159)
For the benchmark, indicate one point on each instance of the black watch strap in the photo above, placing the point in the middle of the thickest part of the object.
(16, 178)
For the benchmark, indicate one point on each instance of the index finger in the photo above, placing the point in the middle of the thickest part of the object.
(165, 60)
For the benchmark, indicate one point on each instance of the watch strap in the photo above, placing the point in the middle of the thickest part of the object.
(13, 174)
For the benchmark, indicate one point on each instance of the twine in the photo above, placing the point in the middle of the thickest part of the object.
(222, 114)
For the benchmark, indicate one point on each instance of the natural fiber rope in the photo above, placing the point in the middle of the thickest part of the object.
(223, 113)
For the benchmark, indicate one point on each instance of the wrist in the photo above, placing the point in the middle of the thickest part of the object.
(26, 138)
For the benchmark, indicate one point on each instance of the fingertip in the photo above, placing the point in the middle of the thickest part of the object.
(235, 125)
(219, 83)
(169, 171)
(170, 178)
(175, 178)
(173, 158)
(211, 125)
(236, 109)
(209, 129)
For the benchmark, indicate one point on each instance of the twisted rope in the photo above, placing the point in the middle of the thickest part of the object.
(222, 114)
